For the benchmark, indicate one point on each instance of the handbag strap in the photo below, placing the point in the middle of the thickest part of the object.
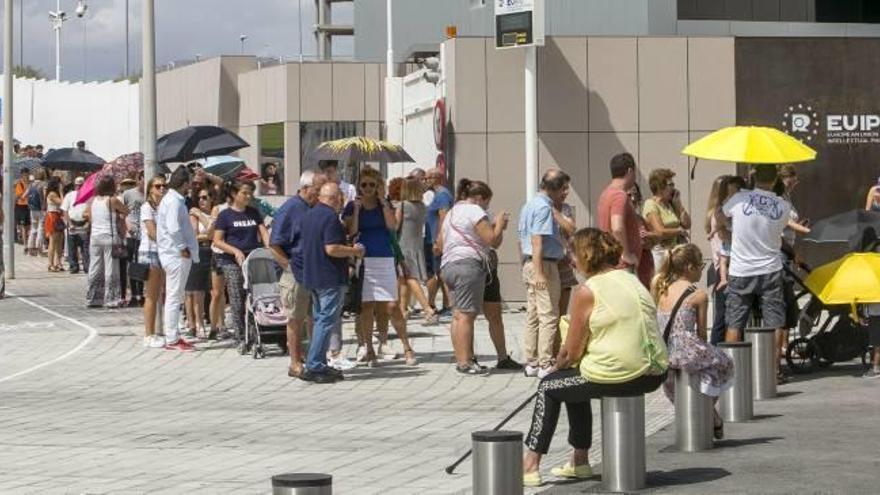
(112, 224)
(690, 290)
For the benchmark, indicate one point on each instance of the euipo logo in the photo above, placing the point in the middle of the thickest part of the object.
(801, 121)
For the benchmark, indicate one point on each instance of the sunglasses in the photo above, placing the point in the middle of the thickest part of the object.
(365, 185)
(159, 186)
(203, 197)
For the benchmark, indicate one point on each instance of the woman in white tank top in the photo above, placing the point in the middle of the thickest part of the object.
(104, 213)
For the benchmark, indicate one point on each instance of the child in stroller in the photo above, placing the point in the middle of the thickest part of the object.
(266, 321)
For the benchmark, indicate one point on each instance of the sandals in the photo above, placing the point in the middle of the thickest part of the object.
(431, 321)
(410, 357)
(718, 432)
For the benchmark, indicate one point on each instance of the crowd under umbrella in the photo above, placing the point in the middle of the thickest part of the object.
(858, 228)
(195, 142)
(73, 160)
(360, 149)
(28, 162)
(749, 144)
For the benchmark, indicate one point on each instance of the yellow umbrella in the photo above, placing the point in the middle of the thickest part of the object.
(746, 144)
(853, 279)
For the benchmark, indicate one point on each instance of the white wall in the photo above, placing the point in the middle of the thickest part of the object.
(104, 115)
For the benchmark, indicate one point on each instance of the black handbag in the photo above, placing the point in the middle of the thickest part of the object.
(354, 294)
(138, 271)
(117, 249)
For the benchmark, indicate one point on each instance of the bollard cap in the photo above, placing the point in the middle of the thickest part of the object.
(301, 480)
(497, 436)
(760, 330)
(733, 344)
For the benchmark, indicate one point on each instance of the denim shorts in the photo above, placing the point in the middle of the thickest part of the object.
(151, 259)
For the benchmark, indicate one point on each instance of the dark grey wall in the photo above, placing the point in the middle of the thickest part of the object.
(748, 10)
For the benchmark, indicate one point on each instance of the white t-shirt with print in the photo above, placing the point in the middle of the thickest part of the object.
(460, 238)
(758, 218)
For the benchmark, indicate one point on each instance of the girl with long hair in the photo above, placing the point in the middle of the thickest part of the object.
(54, 224)
(199, 280)
(148, 253)
(717, 228)
(688, 348)
(410, 216)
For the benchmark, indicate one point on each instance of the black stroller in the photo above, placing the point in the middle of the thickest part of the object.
(827, 334)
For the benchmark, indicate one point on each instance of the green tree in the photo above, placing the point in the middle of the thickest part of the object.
(133, 78)
(27, 71)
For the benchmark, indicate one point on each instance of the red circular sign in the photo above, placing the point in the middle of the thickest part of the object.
(441, 163)
(440, 124)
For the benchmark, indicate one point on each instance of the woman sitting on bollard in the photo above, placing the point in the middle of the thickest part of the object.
(688, 349)
(612, 348)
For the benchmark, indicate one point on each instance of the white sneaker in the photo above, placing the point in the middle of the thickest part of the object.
(341, 363)
(147, 341)
(387, 352)
(546, 370)
(157, 342)
(361, 355)
(531, 370)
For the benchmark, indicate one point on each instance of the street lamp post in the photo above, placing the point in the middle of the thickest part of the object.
(242, 39)
(127, 74)
(148, 91)
(9, 182)
(58, 17)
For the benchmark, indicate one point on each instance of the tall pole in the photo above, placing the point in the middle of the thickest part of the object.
(299, 19)
(389, 55)
(148, 90)
(8, 179)
(58, 23)
(531, 127)
(126, 40)
(21, 33)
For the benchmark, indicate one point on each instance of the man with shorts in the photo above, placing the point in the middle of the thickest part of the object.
(286, 244)
(22, 212)
(440, 204)
(758, 218)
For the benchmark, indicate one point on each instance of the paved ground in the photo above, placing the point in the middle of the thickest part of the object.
(85, 409)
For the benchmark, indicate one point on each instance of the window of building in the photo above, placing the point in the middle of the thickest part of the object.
(271, 159)
(314, 133)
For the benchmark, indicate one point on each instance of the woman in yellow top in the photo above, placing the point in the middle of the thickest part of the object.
(665, 215)
(612, 347)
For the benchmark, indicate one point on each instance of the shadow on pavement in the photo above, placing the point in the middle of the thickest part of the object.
(383, 372)
(685, 476)
(760, 417)
(744, 442)
(787, 393)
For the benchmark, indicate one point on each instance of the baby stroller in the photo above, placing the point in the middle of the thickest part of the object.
(837, 338)
(265, 319)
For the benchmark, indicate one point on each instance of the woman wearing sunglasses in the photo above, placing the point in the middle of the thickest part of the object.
(199, 280)
(371, 218)
(148, 253)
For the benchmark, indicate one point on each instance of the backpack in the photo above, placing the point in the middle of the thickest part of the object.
(34, 197)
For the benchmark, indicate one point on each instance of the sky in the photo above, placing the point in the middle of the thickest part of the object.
(93, 47)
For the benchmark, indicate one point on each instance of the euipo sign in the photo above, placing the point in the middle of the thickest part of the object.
(804, 122)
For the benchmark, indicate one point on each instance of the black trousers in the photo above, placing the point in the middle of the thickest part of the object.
(137, 287)
(719, 322)
(571, 388)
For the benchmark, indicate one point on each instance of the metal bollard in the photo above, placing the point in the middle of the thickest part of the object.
(623, 443)
(497, 464)
(302, 484)
(764, 362)
(736, 404)
(693, 414)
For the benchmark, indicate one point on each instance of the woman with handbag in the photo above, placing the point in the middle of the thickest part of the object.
(681, 311)
(54, 225)
(371, 219)
(199, 280)
(105, 245)
(148, 258)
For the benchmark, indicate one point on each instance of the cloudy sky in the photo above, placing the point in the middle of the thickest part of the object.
(93, 48)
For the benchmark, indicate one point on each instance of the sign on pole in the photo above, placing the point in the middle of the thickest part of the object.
(519, 23)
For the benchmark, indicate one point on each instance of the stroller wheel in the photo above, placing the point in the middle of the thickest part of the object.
(801, 355)
(242, 348)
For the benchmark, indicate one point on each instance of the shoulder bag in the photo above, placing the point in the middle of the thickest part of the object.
(117, 249)
(690, 290)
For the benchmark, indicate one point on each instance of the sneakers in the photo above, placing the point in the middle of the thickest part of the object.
(189, 334)
(361, 356)
(872, 373)
(472, 369)
(308, 376)
(180, 345)
(531, 370)
(508, 364)
(147, 341)
(341, 363)
(154, 342)
(431, 321)
(387, 352)
(532, 479)
(544, 371)
(569, 471)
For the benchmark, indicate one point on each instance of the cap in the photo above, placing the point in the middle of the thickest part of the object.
(128, 180)
(79, 181)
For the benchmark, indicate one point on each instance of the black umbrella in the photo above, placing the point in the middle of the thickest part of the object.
(198, 141)
(856, 227)
(73, 159)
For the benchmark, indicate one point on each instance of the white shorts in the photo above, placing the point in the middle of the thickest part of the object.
(380, 280)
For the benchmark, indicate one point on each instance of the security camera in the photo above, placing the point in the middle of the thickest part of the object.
(81, 8)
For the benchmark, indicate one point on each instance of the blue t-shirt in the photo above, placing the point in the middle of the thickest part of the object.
(536, 218)
(322, 228)
(372, 231)
(241, 230)
(287, 232)
(442, 201)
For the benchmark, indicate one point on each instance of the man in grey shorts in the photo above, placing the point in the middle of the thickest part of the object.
(758, 218)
